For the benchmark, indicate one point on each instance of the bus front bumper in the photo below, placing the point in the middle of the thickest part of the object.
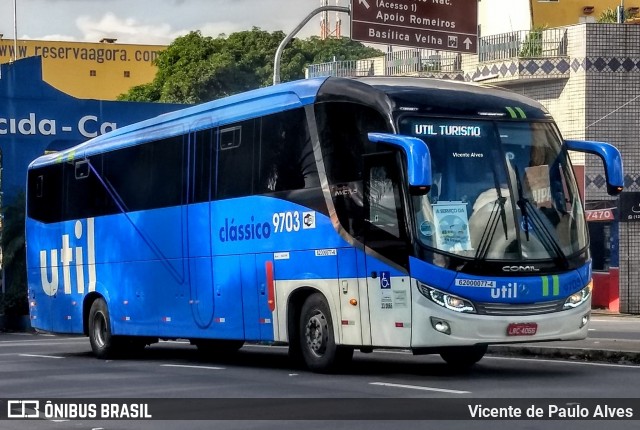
(435, 326)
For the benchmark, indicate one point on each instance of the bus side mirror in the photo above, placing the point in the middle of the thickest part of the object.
(610, 157)
(417, 156)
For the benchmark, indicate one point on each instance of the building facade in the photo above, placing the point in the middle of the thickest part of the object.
(494, 18)
(99, 71)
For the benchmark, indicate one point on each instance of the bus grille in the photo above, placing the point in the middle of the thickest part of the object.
(519, 309)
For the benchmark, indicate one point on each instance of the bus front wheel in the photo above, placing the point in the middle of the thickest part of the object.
(103, 343)
(317, 342)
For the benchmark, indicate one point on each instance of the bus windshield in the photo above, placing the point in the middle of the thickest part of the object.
(502, 190)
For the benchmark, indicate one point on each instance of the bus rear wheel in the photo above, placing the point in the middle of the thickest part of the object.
(103, 344)
(463, 357)
(317, 342)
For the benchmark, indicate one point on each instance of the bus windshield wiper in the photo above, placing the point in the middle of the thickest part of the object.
(522, 203)
(489, 231)
(492, 223)
(529, 212)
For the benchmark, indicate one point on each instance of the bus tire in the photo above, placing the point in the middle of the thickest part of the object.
(463, 357)
(103, 344)
(317, 343)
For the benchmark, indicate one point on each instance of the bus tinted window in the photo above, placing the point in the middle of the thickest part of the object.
(156, 169)
(286, 160)
(343, 129)
(85, 195)
(44, 190)
(235, 160)
(202, 169)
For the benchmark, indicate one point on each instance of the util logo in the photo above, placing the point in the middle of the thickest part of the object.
(70, 258)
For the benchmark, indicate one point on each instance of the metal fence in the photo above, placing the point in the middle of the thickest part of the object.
(405, 62)
(349, 68)
(412, 61)
(523, 44)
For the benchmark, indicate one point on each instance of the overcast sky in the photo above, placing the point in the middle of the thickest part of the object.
(154, 21)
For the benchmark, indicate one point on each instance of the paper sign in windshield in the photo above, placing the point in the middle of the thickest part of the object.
(452, 226)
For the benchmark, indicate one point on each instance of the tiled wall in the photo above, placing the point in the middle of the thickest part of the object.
(613, 114)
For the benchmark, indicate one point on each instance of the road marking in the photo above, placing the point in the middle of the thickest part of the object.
(418, 387)
(193, 367)
(19, 334)
(31, 343)
(584, 363)
(66, 339)
(38, 356)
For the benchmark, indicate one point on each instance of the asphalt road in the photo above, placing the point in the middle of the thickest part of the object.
(623, 327)
(45, 367)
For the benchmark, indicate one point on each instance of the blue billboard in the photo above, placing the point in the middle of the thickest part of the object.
(36, 118)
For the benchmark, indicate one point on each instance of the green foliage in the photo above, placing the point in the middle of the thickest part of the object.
(14, 301)
(196, 68)
(532, 45)
(610, 15)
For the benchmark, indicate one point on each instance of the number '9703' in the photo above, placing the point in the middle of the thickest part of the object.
(286, 221)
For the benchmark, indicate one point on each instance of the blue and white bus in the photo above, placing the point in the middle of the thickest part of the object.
(329, 214)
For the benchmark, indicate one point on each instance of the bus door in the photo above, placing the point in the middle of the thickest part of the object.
(387, 251)
(198, 226)
(353, 301)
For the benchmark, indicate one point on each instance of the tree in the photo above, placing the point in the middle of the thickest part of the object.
(196, 68)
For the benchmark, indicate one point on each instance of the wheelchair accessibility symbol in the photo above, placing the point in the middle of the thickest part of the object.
(385, 280)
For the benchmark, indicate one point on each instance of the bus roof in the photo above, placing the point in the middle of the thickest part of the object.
(262, 101)
(442, 97)
(435, 96)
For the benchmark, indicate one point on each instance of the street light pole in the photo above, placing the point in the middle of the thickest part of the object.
(286, 40)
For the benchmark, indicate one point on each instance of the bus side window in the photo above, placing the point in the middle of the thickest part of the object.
(343, 129)
(235, 153)
(285, 159)
(157, 170)
(203, 166)
(45, 192)
(85, 193)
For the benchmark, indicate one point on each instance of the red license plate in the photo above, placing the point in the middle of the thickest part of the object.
(522, 329)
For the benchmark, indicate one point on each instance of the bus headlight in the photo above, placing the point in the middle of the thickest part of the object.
(576, 299)
(447, 300)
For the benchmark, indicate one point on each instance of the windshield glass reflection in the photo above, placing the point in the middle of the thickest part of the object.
(501, 191)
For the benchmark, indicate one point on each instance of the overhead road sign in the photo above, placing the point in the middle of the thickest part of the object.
(448, 25)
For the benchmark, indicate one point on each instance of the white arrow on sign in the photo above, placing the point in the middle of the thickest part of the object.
(364, 2)
(467, 42)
